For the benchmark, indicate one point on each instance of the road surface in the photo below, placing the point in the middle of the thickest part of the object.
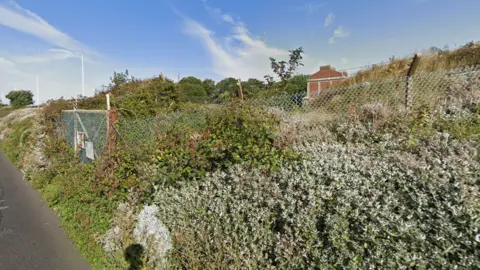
(30, 236)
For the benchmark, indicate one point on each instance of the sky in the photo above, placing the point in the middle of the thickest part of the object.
(211, 38)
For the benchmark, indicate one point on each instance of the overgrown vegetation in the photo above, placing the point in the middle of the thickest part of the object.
(235, 135)
(204, 186)
(16, 143)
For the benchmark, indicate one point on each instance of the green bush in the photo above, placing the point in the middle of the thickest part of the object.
(239, 134)
(42, 179)
(51, 194)
(20, 98)
(149, 99)
(16, 142)
(77, 196)
(465, 127)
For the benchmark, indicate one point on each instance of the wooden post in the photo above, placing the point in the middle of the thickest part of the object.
(239, 83)
(410, 73)
(112, 116)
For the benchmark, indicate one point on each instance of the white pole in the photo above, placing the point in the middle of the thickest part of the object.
(108, 102)
(83, 80)
(38, 94)
(75, 124)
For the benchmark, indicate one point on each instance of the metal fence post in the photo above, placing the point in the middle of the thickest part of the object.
(407, 92)
(112, 117)
(410, 73)
(75, 140)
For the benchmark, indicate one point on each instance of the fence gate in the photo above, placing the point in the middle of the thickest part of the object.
(86, 132)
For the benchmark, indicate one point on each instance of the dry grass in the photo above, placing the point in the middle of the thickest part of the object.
(432, 60)
(5, 110)
(15, 117)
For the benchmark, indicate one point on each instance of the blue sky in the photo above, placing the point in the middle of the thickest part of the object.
(212, 38)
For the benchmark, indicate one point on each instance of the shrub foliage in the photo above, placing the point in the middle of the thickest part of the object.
(20, 98)
(349, 206)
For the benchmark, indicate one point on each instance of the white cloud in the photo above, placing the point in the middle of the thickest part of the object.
(218, 14)
(340, 32)
(58, 67)
(250, 59)
(50, 55)
(237, 55)
(6, 63)
(344, 61)
(227, 18)
(329, 20)
(16, 17)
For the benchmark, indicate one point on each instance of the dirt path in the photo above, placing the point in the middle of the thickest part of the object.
(30, 236)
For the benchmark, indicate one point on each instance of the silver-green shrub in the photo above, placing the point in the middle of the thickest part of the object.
(355, 206)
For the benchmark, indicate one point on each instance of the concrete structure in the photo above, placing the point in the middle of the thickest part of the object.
(326, 77)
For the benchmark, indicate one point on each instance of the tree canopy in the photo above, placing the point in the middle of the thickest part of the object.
(284, 69)
(20, 98)
(226, 89)
(287, 82)
(192, 89)
(190, 80)
(119, 79)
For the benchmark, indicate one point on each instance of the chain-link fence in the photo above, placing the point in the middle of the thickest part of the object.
(86, 131)
(143, 131)
(369, 100)
(382, 98)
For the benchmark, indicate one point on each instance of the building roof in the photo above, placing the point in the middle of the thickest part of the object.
(326, 72)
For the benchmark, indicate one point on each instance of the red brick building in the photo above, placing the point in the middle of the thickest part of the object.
(326, 77)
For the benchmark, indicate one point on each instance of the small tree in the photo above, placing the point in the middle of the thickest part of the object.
(119, 79)
(285, 70)
(20, 98)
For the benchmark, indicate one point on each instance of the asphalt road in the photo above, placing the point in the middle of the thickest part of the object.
(30, 236)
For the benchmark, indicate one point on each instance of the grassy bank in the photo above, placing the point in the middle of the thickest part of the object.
(65, 184)
(432, 60)
(4, 111)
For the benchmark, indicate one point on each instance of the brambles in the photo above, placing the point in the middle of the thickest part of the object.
(234, 135)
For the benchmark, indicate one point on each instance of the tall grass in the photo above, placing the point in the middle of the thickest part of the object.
(432, 60)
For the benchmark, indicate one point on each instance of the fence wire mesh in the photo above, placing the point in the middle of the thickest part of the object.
(369, 100)
(396, 95)
(92, 125)
(142, 132)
